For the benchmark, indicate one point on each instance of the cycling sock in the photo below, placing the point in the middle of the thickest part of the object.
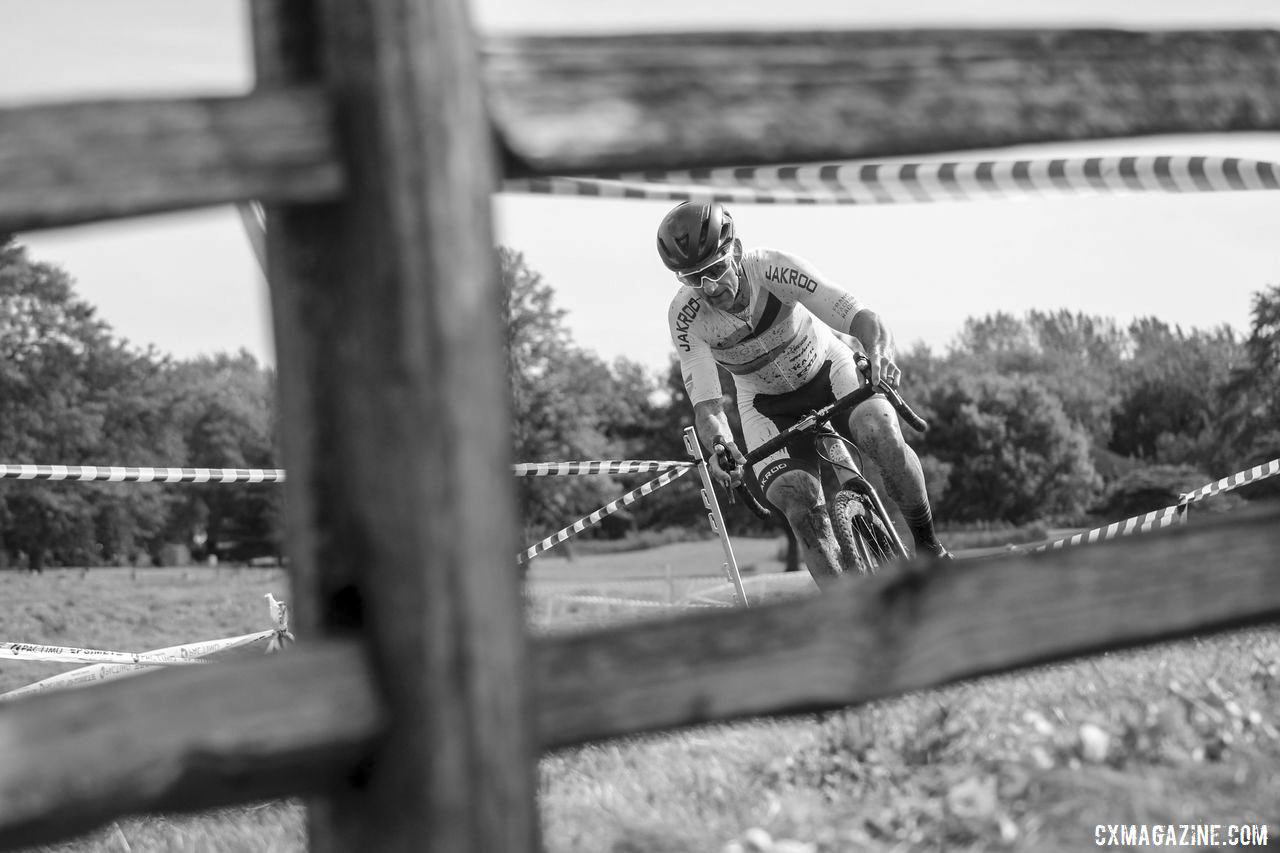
(920, 520)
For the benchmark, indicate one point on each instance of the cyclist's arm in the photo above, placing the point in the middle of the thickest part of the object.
(702, 382)
(876, 339)
(794, 279)
(711, 422)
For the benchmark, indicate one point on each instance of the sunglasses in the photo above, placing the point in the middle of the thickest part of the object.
(713, 273)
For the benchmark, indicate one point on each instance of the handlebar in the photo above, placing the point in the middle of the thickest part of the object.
(815, 419)
(844, 404)
(744, 491)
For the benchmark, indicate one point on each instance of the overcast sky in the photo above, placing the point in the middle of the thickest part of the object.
(188, 283)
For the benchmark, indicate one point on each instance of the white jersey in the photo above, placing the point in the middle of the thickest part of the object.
(776, 344)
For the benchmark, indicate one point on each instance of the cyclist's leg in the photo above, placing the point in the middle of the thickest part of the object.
(860, 520)
(874, 426)
(790, 482)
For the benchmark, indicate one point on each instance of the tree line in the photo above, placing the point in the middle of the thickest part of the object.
(1056, 416)
(72, 393)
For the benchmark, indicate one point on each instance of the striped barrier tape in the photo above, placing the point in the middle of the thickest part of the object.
(1138, 524)
(560, 469)
(907, 183)
(1235, 481)
(129, 474)
(1162, 517)
(595, 517)
(634, 602)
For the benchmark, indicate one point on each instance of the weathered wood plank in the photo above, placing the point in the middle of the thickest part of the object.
(901, 632)
(211, 735)
(601, 103)
(69, 163)
(194, 737)
(567, 105)
(392, 387)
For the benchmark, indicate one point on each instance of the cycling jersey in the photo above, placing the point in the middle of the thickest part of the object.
(776, 343)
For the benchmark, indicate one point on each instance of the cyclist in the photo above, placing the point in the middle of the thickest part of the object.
(753, 313)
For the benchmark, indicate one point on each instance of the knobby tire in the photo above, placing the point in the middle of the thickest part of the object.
(865, 545)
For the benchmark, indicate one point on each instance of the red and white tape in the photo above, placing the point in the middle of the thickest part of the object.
(561, 469)
(130, 474)
(909, 183)
(595, 517)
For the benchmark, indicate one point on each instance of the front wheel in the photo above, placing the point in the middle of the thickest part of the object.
(866, 545)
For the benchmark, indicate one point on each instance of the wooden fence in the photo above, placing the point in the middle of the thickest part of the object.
(414, 707)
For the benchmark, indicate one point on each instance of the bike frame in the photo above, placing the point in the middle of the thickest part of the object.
(812, 424)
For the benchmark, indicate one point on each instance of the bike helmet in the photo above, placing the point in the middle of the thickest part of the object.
(693, 234)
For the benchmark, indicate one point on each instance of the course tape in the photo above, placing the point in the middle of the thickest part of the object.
(1162, 517)
(1138, 524)
(128, 474)
(595, 517)
(108, 671)
(68, 654)
(1235, 481)
(908, 183)
(560, 469)
(275, 639)
(632, 602)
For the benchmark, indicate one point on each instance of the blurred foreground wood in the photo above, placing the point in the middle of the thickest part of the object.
(561, 105)
(679, 100)
(63, 164)
(307, 719)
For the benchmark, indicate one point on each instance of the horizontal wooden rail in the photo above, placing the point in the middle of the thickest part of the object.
(278, 726)
(583, 104)
(63, 164)
(205, 736)
(908, 631)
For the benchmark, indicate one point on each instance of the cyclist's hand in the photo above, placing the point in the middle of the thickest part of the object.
(726, 462)
(884, 368)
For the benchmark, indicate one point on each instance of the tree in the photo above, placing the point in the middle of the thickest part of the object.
(1013, 452)
(70, 393)
(567, 404)
(1170, 390)
(224, 407)
(1248, 424)
(1074, 356)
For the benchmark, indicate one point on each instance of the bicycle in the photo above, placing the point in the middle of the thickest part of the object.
(863, 529)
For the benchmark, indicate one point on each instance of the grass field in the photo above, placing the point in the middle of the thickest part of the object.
(1185, 733)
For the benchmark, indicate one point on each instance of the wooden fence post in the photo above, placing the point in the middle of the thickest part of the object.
(393, 404)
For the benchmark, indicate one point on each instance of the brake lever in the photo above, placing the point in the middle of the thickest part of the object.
(721, 450)
(730, 464)
(904, 410)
